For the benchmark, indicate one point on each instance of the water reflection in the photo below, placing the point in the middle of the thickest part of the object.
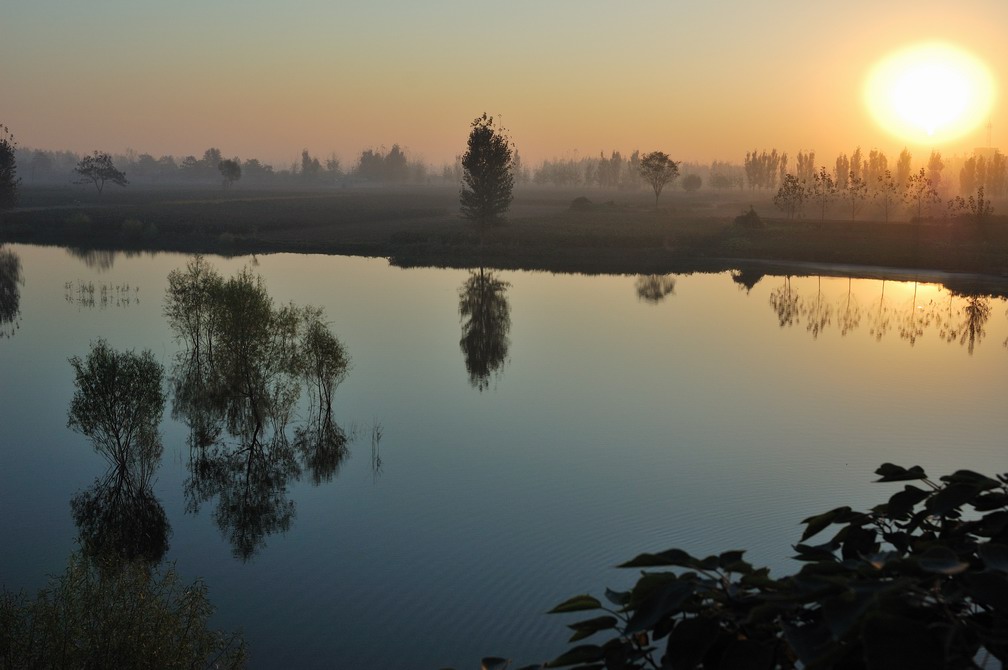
(95, 259)
(486, 321)
(654, 288)
(11, 281)
(118, 403)
(236, 381)
(747, 278)
(960, 317)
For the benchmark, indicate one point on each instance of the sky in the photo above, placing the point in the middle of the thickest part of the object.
(701, 81)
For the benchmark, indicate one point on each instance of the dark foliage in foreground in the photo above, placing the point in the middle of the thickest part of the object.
(916, 582)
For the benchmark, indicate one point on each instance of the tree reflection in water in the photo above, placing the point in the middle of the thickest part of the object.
(240, 374)
(818, 312)
(746, 278)
(118, 403)
(486, 321)
(848, 311)
(654, 288)
(11, 281)
(784, 301)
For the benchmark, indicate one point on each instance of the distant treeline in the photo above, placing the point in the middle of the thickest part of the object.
(372, 165)
(760, 170)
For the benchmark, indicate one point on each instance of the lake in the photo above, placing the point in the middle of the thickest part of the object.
(501, 458)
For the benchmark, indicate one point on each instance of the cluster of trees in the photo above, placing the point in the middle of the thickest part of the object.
(857, 180)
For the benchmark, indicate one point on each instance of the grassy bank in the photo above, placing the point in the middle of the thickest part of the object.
(620, 232)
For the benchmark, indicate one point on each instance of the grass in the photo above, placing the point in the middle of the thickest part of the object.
(621, 232)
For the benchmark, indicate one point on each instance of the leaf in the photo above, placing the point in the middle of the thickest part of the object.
(576, 604)
(669, 557)
(587, 653)
(620, 598)
(494, 663)
(894, 473)
(662, 604)
(902, 503)
(994, 556)
(809, 642)
(975, 479)
(815, 524)
(988, 588)
(689, 642)
(583, 629)
(941, 560)
(818, 552)
(952, 497)
(897, 642)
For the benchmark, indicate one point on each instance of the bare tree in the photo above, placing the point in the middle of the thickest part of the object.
(97, 169)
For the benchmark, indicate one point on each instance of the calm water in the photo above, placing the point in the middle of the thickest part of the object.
(611, 415)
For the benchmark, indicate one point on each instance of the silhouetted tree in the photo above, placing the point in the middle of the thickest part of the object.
(231, 170)
(790, 196)
(887, 189)
(98, 169)
(903, 167)
(855, 192)
(920, 192)
(823, 191)
(658, 169)
(486, 172)
(8, 169)
(486, 321)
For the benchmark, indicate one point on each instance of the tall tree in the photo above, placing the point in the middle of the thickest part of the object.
(98, 169)
(8, 169)
(658, 169)
(487, 179)
(903, 167)
(231, 170)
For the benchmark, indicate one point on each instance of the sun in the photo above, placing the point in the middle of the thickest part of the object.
(930, 93)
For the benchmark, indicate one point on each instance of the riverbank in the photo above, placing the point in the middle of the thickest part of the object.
(619, 233)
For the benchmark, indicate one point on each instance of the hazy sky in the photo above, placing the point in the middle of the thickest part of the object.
(700, 80)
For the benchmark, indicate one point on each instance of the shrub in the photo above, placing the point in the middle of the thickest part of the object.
(749, 220)
(916, 582)
(581, 204)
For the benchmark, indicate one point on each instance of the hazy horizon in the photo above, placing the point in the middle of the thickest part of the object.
(701, 83)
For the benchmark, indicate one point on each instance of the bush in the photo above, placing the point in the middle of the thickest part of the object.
(916, 582)
(749, 220)
(114, 616)
(581, 204)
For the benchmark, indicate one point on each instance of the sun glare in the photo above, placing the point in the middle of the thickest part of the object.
(930, 93)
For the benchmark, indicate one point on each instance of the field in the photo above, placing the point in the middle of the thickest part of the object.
(616, 232)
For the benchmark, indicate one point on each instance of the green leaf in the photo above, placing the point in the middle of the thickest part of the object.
(494, 663)
(893, 473)
(941, 560)
(583, 629)
(815, 524)
(587, 653)
(994, 556)
(576, 604)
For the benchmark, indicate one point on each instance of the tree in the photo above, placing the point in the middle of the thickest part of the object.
(855, 192)
(98, 169)
(8, 169)
(823, 191)
(887, 188)
(916, 582)
(487, 179)
(790, 196)
(158, 622)
(231, 170)
(691, 182)
(658, 169)
(903, 167)
(920, 192)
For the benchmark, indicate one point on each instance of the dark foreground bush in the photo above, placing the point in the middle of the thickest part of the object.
(916, 582)
(114, 616)
(581, 204)
(749, 220)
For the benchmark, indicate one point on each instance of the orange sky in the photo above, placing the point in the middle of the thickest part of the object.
(268, 79)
